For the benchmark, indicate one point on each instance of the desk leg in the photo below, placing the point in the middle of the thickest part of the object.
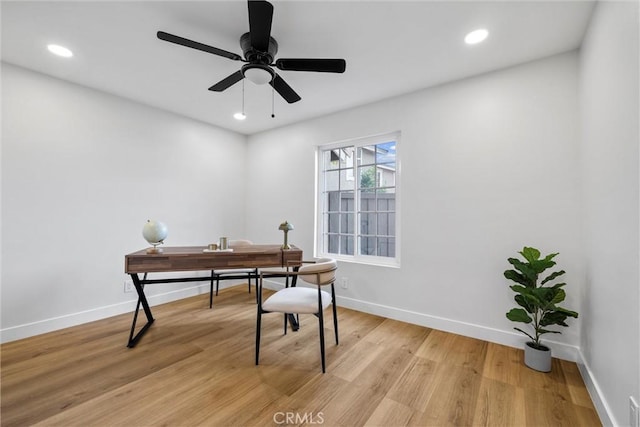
(293, 318)
(142, 299)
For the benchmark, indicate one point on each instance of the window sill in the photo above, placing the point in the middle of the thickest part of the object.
(373, 261)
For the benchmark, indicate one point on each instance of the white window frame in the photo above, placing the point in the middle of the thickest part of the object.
(319, 200)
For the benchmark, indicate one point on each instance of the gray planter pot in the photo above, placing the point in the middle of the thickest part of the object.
(538, 359)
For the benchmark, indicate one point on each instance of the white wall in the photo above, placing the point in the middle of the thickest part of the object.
(489, 164)
(609, 99)
(82, 171)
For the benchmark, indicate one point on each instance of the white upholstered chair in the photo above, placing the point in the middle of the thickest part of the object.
(302, 299)
(235, 273)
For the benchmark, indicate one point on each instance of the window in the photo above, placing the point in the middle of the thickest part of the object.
(357, 200)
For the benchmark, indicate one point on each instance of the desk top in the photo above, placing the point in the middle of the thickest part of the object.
(192, 258)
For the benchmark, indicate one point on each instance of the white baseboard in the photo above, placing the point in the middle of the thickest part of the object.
(53, 324)
(511, 339)
(603, 409)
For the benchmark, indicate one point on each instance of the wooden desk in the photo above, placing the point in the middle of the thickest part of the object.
(193, 258)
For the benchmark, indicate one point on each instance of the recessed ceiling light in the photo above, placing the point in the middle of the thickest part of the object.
(476, 36)
(60, 50)
(239, 116)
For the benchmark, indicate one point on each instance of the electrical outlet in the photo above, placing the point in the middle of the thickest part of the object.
(128, 286)
(344, 283)
(634, 413)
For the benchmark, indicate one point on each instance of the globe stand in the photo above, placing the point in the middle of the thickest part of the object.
(154, 250)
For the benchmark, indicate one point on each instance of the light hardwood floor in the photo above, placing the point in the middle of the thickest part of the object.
(196, 367)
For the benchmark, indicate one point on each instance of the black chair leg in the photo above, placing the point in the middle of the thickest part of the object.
(286, 316)
(211, 292)
(335, 314)
(321, 325)
(217, 285)
(258, 335)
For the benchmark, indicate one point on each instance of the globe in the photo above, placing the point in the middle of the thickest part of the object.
(154, 232)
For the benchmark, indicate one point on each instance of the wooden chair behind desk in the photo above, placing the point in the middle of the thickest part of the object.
(230, 274)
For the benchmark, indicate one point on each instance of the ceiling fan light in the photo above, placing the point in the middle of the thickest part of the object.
(258, 75)
(476, 36)
(60, 50)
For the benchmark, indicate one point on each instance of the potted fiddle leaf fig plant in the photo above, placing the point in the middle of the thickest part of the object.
(538, 300)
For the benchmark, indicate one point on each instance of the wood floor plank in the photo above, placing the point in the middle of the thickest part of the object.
(196, 367)
(414, 387)
(391, 413)
(499, 404)
(455, 397)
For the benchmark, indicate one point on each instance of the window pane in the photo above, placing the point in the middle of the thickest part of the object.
(368, 223)
(385, 224)
(386, 246)
(386, 175)
(367, 155)
(332, 180)
(367, 177)
(334, 223)
(367, 245)
(346, 201)
(346, 246)
(368, 202)
(386, 152)
(338, 158)
(333, 201)
(347, 224)
(333, 243)
(386, 201)
(347, 181)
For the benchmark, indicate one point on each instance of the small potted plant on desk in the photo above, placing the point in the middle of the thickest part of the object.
(539, 303)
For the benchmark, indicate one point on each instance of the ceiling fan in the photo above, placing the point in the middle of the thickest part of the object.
(259, 50)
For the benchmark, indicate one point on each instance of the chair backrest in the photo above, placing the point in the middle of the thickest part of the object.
(240, 242)
(322, 272)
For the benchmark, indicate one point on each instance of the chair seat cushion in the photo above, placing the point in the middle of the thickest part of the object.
(235, 271)
(296, 300)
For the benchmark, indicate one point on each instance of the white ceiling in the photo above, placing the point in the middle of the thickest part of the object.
(391, 48)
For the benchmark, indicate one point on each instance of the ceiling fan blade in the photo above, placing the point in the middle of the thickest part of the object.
(284, 90)
(260, 17)
(308, 64)
(196, 45)
(227, 82)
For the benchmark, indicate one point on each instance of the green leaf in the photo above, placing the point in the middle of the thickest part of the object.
(552, 276)
(553, 318)
(519, 315)
(530, 254)
(519, 289)
(541, 265)
(525, 269)
(522, 302)
(517, 277)
(569, 313)
(559, 296)
(533, 298)
(545, 331)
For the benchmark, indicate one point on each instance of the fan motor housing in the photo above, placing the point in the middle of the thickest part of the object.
(256, 56)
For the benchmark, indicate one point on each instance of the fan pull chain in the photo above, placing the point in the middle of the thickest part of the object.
(273, 115)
